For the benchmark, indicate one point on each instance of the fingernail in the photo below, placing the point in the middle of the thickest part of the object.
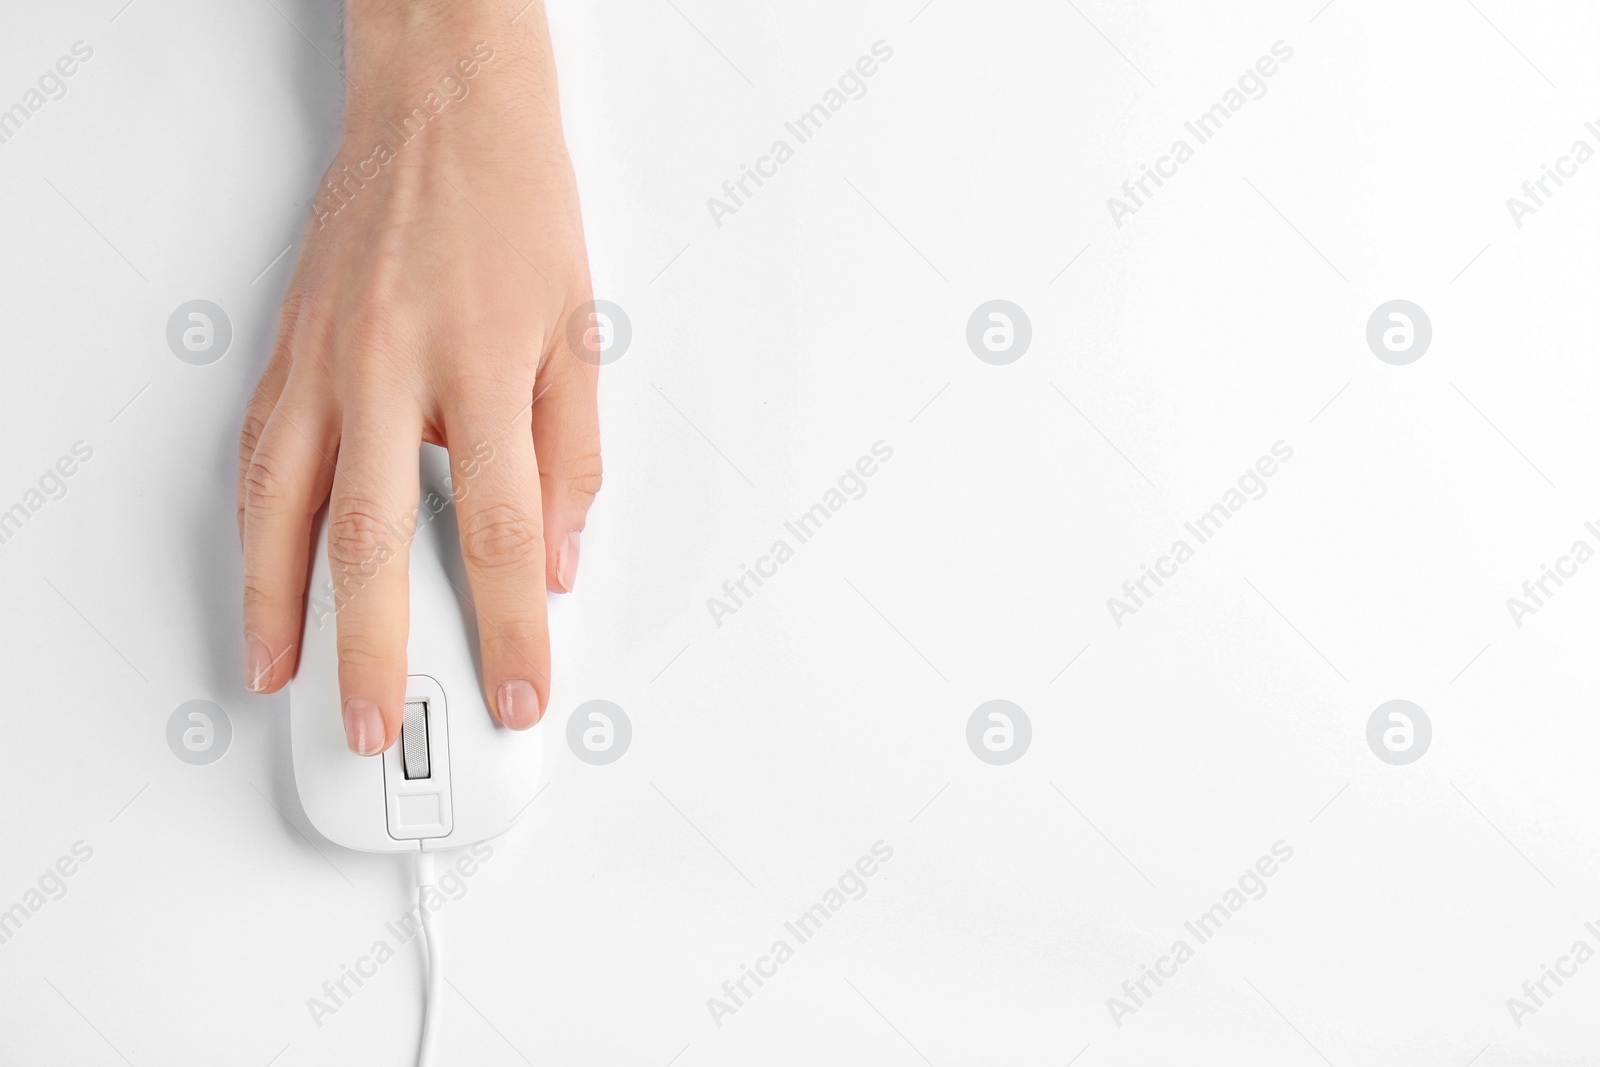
(567, 562)
(518, 704)
(363, 727)
(257, 663)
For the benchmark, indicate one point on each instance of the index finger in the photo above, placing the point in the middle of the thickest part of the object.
(375, 494)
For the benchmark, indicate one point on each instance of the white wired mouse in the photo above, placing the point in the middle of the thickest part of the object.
(455, 777)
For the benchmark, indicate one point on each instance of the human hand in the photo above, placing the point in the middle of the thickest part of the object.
(442, 263)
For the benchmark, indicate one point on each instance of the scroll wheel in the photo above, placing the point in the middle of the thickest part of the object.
(414, 739)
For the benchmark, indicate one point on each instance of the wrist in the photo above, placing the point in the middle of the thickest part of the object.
(401, 55)
(420, 21)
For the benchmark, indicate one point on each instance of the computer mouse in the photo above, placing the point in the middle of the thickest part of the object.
(455, 777)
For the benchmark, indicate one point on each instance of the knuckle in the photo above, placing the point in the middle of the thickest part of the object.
(498, 536)
(264, 487)
(305, 324)
(580, 478)
(357, 539)
(250, 434)
(302, 317)
(521, 647)
(260, 594)
(520, 636)
(499, 389)
(378, 365)
(362, 653)
(376, 326)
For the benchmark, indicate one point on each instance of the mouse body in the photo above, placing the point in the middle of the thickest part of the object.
(455, 776)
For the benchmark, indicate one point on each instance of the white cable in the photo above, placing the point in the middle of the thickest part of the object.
(431, 1004)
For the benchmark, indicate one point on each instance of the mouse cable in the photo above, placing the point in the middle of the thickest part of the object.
(435, 966)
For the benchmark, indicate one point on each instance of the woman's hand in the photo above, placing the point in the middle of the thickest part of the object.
(442, 264)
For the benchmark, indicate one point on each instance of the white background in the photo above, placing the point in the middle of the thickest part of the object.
(830, 712)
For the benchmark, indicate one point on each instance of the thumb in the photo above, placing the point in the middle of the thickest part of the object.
(566, 438)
